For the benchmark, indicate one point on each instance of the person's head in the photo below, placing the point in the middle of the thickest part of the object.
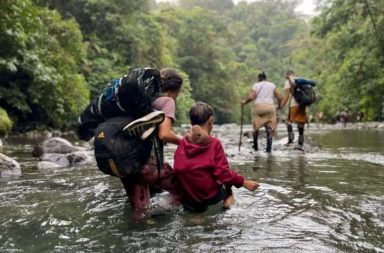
(171, 81)
(262, 76)
(201, 114)
(290, 73)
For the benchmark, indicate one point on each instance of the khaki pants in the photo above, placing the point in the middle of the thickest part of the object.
(262, 115)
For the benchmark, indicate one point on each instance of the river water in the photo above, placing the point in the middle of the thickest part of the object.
(328, 199)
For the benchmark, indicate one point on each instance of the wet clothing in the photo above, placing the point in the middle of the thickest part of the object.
(202, 170)
(193, 206)
(264, 111)
(138, 187)
(297, 114)
(263, 114)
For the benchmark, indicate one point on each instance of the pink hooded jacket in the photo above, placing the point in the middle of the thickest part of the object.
(203, 168)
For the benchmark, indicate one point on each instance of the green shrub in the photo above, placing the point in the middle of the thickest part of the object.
(5, 122)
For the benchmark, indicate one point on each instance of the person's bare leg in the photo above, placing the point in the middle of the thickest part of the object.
(228, 201)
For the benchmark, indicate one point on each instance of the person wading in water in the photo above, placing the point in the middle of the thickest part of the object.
(264, 111)
(297, 113)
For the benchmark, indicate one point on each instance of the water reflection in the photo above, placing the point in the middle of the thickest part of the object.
(326, 201)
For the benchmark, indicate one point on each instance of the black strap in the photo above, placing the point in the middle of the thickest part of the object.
(159, 155)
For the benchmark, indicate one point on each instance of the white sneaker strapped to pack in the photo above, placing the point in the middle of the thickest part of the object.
(145, 125)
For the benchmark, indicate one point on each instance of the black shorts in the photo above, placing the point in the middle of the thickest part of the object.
(192, 206)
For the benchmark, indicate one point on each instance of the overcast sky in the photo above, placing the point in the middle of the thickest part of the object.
(307, 6)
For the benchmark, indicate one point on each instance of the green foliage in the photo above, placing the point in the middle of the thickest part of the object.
(39, 56)
(184, 101)
(5, 122)
(206, 59)
(352, 59)
(51, 62)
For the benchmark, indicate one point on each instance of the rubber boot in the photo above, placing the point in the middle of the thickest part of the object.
(291, 135)
(255, 137)
(269, 145)
(301, 140)
(269, 139)
(300, 145)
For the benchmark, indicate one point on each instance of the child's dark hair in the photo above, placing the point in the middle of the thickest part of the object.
(290, 72)
(171, 80)
(262, 76)
(200, 113)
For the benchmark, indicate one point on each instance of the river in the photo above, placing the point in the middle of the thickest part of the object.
(328, 199)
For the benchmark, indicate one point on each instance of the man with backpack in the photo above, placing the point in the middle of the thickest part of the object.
(300, 95)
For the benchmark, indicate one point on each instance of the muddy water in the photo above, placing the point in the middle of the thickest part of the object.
(328, 199)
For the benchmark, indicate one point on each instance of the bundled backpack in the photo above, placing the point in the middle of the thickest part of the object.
(131, 95)
(121, 153)
(303, 91)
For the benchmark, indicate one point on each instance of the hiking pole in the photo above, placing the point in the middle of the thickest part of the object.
(241, 124)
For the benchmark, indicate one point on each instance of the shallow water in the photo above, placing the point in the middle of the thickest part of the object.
(328, 199)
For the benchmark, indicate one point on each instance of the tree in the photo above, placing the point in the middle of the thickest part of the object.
(353, 61)
(39, 59)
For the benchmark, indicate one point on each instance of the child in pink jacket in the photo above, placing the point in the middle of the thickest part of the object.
(201, 165)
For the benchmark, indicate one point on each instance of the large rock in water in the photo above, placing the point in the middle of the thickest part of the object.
(55, 160)
(57, 152)
(55, 145)
(8, 166)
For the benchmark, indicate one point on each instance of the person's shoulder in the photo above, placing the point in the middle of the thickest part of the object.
(254, 85)
(162, 102)
(164, 99)
(214, 141)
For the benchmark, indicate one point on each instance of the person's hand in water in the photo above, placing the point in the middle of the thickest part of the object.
(250, 185)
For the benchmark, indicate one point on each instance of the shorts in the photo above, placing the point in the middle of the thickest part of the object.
(138, 187)
(297, 114)
(193, 206)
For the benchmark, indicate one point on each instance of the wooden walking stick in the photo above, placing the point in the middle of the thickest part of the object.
(241, 125)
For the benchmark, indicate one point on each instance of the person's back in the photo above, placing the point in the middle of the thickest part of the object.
(264, 111)
(198, 166)
(265, 92)
(201, 165)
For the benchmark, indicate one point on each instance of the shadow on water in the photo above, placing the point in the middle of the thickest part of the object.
(330, 200)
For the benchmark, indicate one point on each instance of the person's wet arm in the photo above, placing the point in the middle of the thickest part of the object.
(166, 132)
